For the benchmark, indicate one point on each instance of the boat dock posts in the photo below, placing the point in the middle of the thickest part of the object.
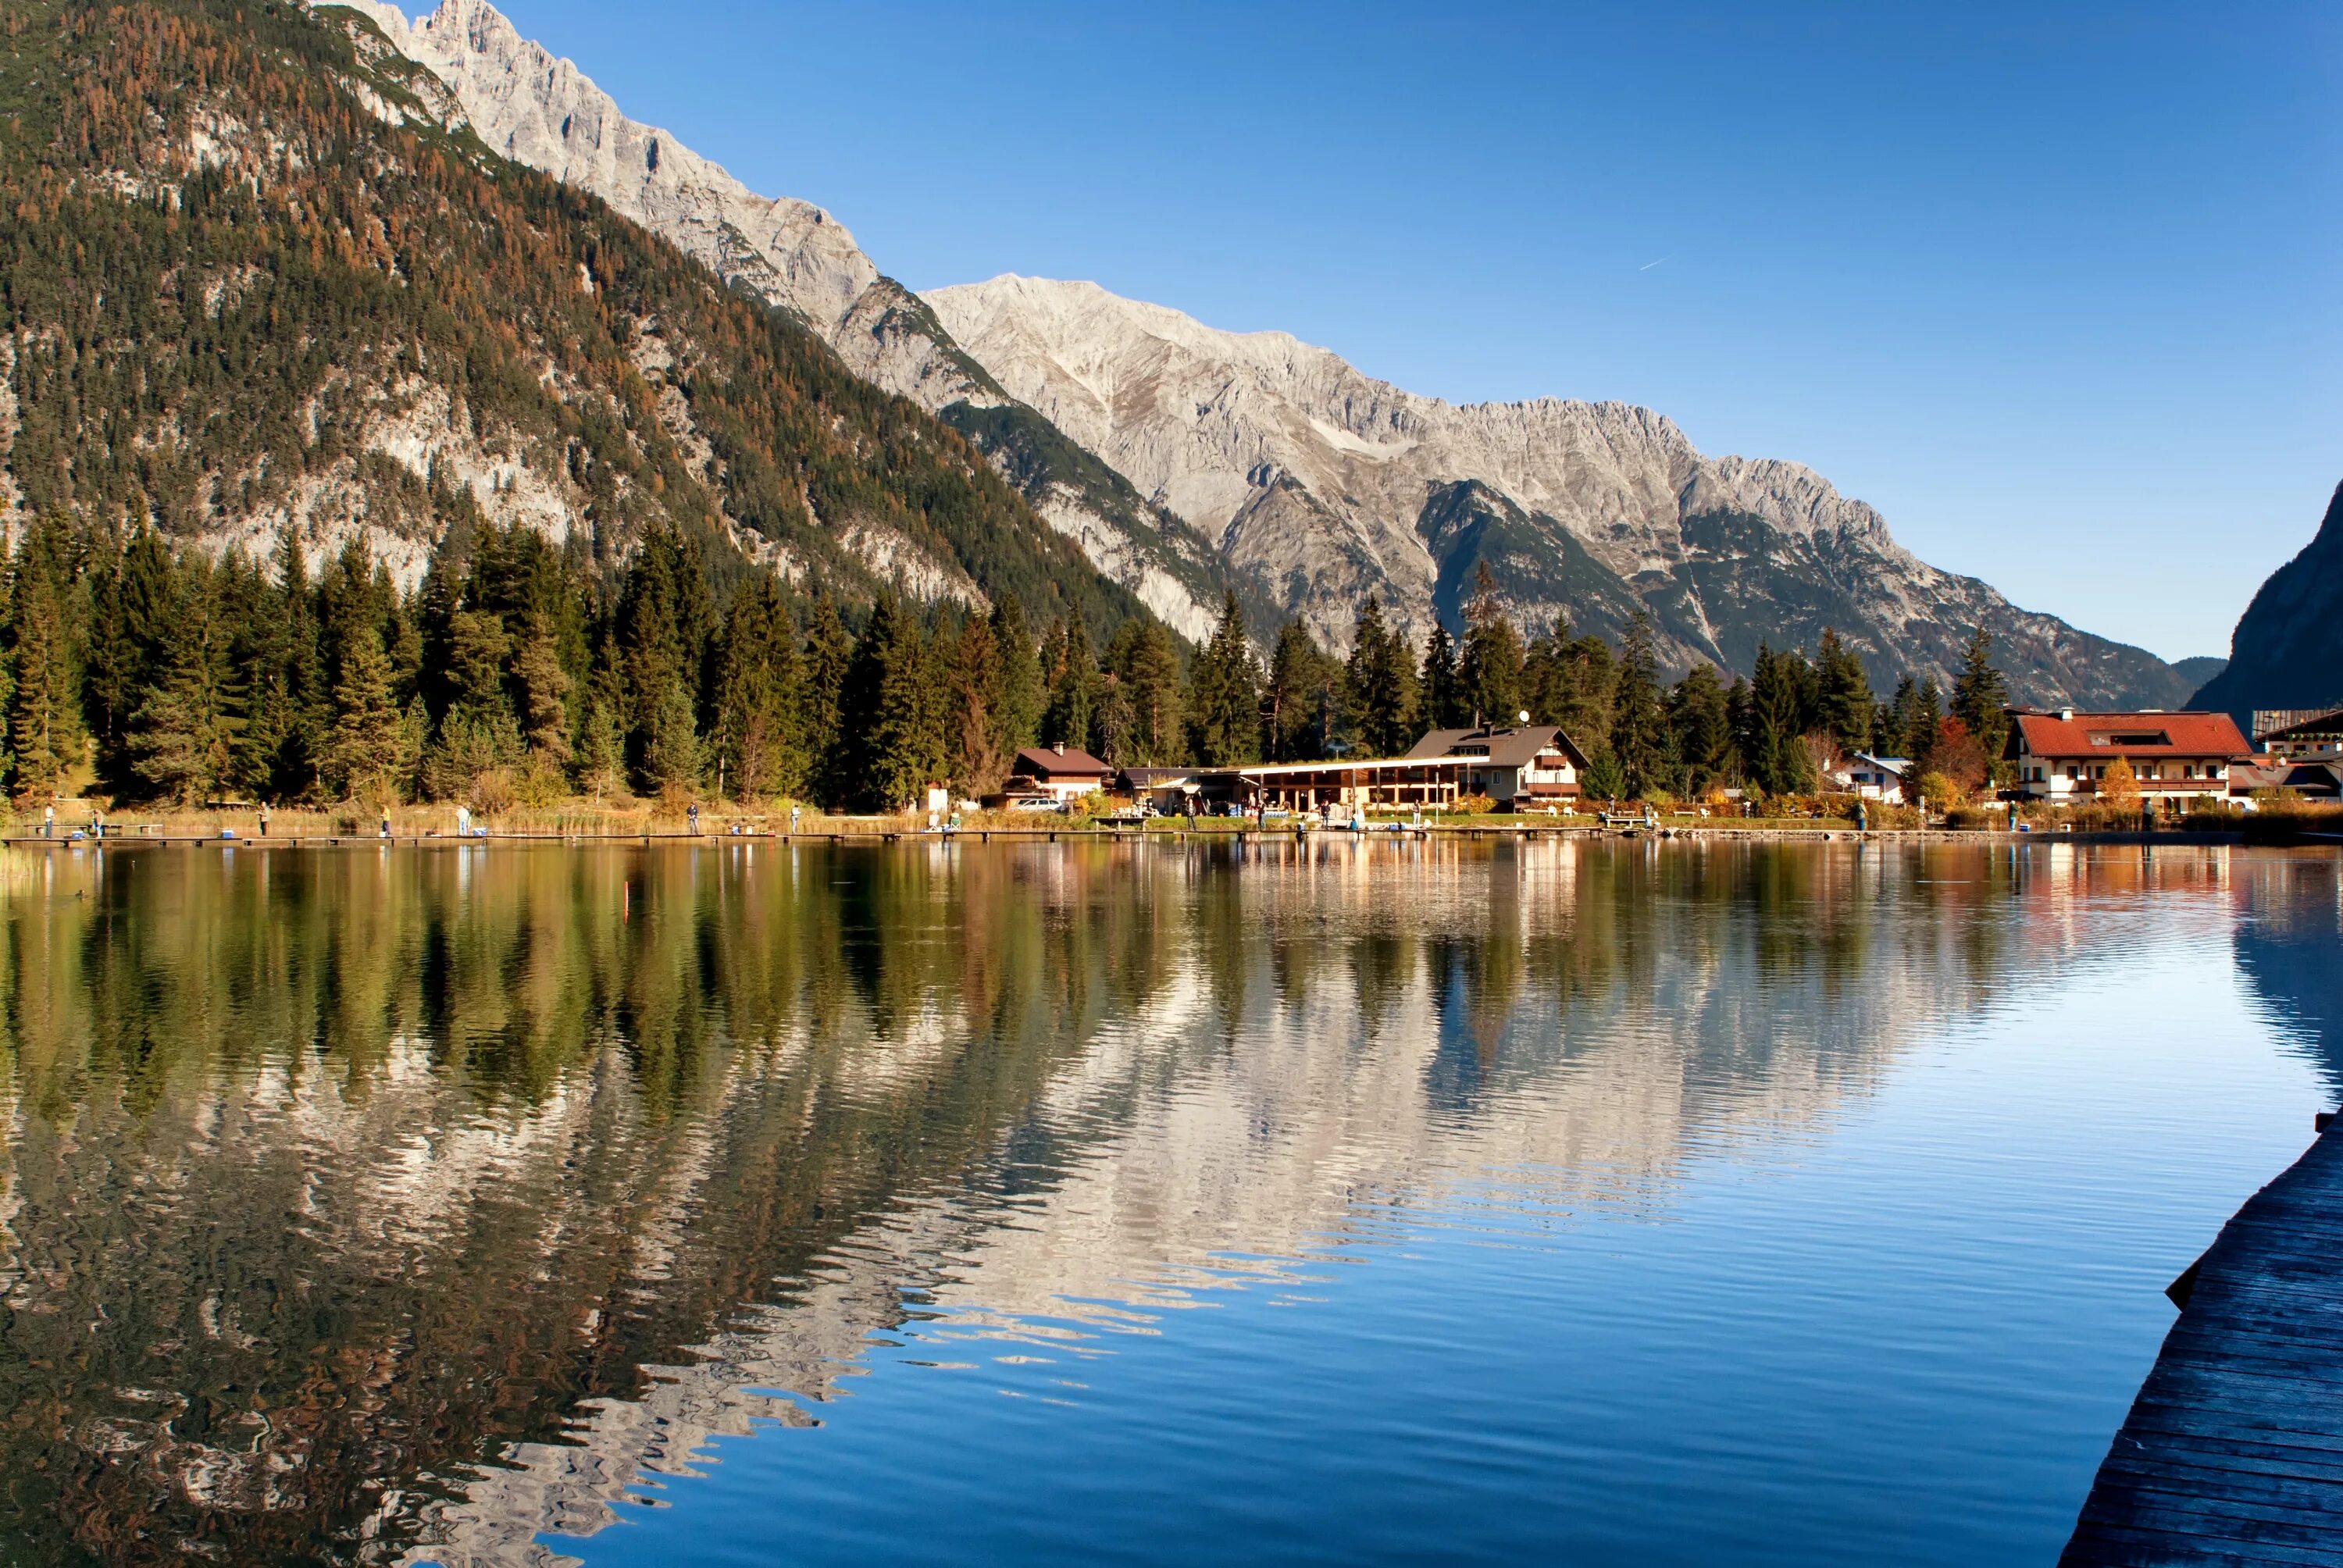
(2233, 1451)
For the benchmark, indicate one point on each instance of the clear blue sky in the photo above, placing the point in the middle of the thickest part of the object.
(2055, 287)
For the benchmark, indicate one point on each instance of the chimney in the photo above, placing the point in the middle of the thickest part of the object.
(2066, 716)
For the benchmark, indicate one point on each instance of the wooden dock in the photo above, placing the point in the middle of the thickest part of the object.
(2233, 1451)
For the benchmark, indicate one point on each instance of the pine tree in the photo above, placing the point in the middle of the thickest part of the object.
(1844, 699)
(1441, 688)
(45, 732)
(1700, 718)
(1639, 729)
(1293, 705)
(1073, 677)
(1224, 696)
(1980, 697)
(1491, 670)
(366, 752)
(829, 667)
(908, 741)
(1779, 763)
(979, 763)
(543, 690)
(184, 736)
(758, 696)
(673, 758)
(1021, 698)
(1379, 687)
(1145, 661)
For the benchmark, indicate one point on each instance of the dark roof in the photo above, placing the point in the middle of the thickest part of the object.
(2326, 723)
(1515, 747)
(1059, 763)
(2068, 733)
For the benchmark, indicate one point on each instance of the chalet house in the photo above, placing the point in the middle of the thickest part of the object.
(1062, 772)
(1520, 768)
(1872, 777)
(2064, 756)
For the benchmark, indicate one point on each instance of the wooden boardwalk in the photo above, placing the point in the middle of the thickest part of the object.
(2233, 1452)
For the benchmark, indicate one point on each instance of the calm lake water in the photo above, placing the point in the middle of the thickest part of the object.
(1560, 1203)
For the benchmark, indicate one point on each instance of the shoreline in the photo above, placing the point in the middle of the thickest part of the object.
(875, 833)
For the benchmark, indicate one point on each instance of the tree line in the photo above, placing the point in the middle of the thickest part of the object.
(519, 672)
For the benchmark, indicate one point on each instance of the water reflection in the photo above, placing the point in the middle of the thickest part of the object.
(381, 1205)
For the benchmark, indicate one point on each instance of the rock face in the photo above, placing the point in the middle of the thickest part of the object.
(1324, 483)
(542, 111)
(1184, 459)
(2288, 647)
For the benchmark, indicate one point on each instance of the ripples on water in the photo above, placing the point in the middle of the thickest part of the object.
(1556, 1201)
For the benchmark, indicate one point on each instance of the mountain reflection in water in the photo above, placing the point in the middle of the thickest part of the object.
(401, 1205)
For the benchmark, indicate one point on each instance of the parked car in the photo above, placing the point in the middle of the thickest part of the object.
(1038, 803)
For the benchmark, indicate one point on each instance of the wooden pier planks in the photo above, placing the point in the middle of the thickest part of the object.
(2233, 1451)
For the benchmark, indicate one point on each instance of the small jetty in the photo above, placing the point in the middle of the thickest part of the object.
(2233, 1451)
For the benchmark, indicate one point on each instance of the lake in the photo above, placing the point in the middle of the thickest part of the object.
(1569, 1202)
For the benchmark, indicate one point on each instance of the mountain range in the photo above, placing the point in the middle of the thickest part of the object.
(1131, 456)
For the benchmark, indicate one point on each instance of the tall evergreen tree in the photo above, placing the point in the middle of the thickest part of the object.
(1297, 706)
(183, 738)
(1145, 661)
(1224, 695)
(1022, 695)
(757, 697)
(1981, 697)
(1701, 721)
(364, 753)
(44, 728)
(1073, 677)
(1640, 737)
(1491, 670)
(1844, 699)
(829, 667)
(1441, 688)
(1379, 687)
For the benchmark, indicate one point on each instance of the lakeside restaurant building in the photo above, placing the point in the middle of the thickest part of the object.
(2062, 757)
(2315, 734)
(1521, 767)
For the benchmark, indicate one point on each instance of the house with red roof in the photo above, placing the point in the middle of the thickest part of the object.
(2064, 755)
(1060, 772)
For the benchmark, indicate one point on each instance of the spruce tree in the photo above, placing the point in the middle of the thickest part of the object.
(1640, 738)
(184, 736)
(44, 731)
(1701, 721)
(1844, 699)
(979, 762)
(366, 751)
(1224, 695)
(1145, 661)
(1022, 695)
(1491, 670)
(1291, 710)
(829, 667)
(673, 758)
(1379, 687)
(757, 697)
(543, 688)
(1440, 690)
(1074, 678)
(1980, 697)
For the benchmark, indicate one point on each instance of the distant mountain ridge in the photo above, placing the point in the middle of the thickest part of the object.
(2287, 651)
(1324, 485)
(1184, 459)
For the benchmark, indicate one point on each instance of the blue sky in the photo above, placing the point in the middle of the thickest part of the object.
(2056, 288)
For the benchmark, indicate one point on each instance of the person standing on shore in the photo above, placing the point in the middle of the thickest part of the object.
(264, 821)
(691, 814)
(49, 820)
(463, 821)
(793, 821)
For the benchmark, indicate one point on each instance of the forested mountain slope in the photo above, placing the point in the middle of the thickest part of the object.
(248, 281)
(544, 112)
(2288, 647)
